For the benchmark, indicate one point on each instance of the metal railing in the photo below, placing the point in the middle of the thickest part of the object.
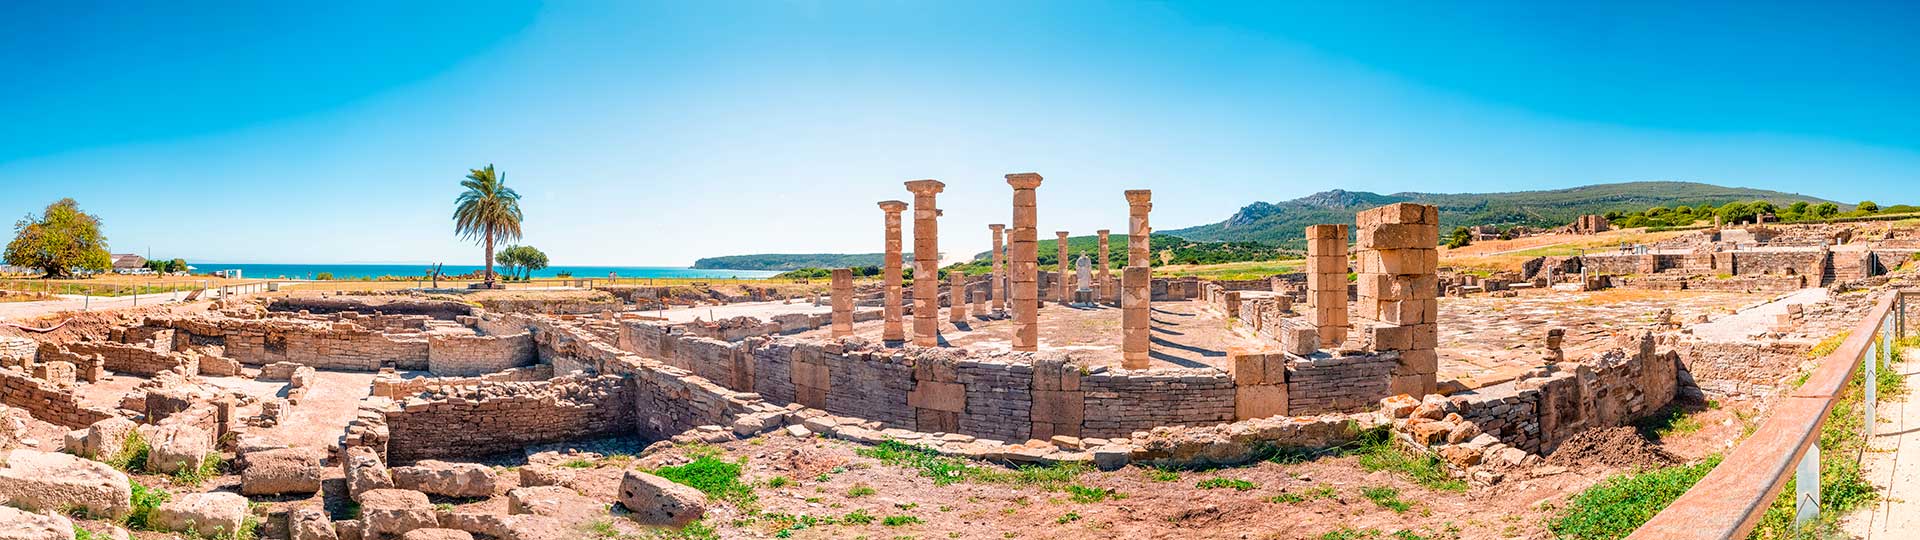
(1730, 501)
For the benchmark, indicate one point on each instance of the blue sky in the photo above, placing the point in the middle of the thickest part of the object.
(657, 133)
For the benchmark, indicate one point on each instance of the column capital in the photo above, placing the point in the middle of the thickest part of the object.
(1103, 232)
(925, 187)
(893, 207)
(997, 227)
(1061, 234)
(1024, 180)
(1140, 196)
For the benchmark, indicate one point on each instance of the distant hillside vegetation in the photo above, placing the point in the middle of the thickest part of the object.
(1166, 249)
(790, 261)
(1282, 223)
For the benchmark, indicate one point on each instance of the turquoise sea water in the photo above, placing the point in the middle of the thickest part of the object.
(348, 271)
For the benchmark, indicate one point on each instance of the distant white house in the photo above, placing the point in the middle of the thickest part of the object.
(128, 263)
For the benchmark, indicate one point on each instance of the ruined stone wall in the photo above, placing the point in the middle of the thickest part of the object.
(1122, 402)
(1757, 367)
(456, 355)
(1612, 388)
(395, 386)
(1611, 263)
(497, 417)
(46, 401)
(339, 345)
(135, 359)
(1805, 262)
(438, 309)
(1322, 383)
(667, 400)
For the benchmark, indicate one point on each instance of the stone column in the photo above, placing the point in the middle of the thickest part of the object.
(998, 288)
(1327, 283)
(892, 331)
(1397, 286)
(956, 296)
(842, 302)
(926, 262)
(1106, 280)
(1064, 292)
(1136, 293)
(1024, 252)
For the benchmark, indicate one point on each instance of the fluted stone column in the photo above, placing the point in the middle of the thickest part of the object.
(956, 296)
(926, 262)
(1024, 272)
(1106, 280)
(842, 302)
(1136, 291)
(1062, 293)
(998, 289)
(892, 331)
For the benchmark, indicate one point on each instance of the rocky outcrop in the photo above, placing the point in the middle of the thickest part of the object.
(35, 480)
(396, 511)
(447, 479)
(658, 501)
(21, 525)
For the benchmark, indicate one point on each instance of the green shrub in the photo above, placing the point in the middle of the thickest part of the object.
(718, 478)
(145, 500)
(1621, 503)
(1085, 494)
(1386, 497)
(859, 491)
(133, 453)
(897, 521)
(1377, 452)
(857, 517)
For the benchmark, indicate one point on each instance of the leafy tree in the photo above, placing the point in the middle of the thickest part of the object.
(487, 212)
(62, 242)
(1868, 207)
(1798, 207)
(1736, 212)
(1761, 207)
(324, 276)
(521, 260)
(1825, 210)
(177, 265)
(1460, 237)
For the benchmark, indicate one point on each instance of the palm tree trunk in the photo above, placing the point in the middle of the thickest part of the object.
(489, 274)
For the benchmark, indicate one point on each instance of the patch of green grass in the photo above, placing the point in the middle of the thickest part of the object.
(1163, 475)
(578, 464)
(947, 469)
(81, 534)
(1321, 492)
(857, 517)
(779, 482)
(859, 491)
(1069, 518)
(1386, 497)
(133, 453)
(716, 477)
(1350, 533)
(1217, 483)
(1086, 494)
(145, 500)
(1377, 452)
(210, 466)
(1668, 421)
(1621, 503)
(1827, 346)
(899, 521)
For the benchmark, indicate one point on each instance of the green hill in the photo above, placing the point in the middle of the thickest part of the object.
(1282, 223)
(1167, 250)
(792, 261)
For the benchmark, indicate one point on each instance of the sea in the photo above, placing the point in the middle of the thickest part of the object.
(358, 271)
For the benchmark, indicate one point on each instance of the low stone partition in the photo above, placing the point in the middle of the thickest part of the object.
(558, 306)
(1756, 283)
(135, 359)
(495, 417)
(393, 386)
(457, 355)
(438, 309)
(47, 401)
(1553, 403)
(86, 367)
(1748, 367)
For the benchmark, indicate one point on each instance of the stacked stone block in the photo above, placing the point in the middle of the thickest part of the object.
(1105, 278)
(1063, 288)
(1260, 383)
(956, 296)
(891, 275)
(999, 286)
(1059, 404)
(1025, 271)
(1136, 317)
(1327, 282)
(1397, 290)
(926, 262)
(842, 302)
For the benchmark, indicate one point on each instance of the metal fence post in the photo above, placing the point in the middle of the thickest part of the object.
(1806, 489)
(1870, 379)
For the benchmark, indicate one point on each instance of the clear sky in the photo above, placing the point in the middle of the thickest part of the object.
(657, 133)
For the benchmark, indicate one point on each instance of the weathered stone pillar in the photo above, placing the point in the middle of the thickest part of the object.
(1327, 283)
(1063, 291)
(1024, 252)
(842, 302)
(1136, 294)
(926, 262)
(892, 331)
(998, 289)
(1106, 280)
(1397, 286)
(956, 296)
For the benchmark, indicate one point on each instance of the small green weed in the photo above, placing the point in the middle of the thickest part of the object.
(1217, 483)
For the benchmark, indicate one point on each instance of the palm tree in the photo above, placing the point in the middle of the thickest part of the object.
(488, 211)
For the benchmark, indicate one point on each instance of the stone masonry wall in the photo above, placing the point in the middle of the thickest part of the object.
(46, 401)
(135, 359)
(495, 417)
(456, 355)
(1122, 402)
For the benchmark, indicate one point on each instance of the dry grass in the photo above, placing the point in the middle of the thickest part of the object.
(1510, 255)
(1231, 271)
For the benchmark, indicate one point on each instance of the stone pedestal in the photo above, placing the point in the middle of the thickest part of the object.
(842, 302)
(956, 296)
(1397, 288)
(1063, 292)
(1136, 285)
(979, 303)
(926, 262)
(997, 289)
(890, 274)
(1327, 282)
(1024, 272)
